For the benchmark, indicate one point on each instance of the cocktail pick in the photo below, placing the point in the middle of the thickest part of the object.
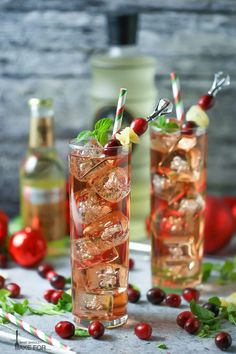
(164, 106)
(219, 82)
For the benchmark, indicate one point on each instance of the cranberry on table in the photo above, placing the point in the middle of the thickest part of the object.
(96, 329)
(192, 325)
(206, 101)
(143, 330)
(173, 300)
(110, 148)
(139, 125)
(56, 295)
(183, 317)
(2, 281)
(155, 296)
(131, 264)
(65, 329)
(14, 289)
(189, 127)
(3, 261)
(212, 307)
(190, 294)
(223, 340)
(48, 294)
(43, 269)
(50, 274)
(58, 281)
(133, 295)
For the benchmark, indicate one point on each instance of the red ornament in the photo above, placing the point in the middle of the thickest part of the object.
(3, 227)
(27, 247)
(219, 225)
(231, 202)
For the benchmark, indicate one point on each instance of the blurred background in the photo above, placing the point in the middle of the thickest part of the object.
(46, 47)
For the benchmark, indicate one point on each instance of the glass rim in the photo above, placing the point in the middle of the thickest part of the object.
(73, 144)
(198, 130)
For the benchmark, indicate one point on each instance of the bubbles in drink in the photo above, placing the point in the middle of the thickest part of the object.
(113, 185)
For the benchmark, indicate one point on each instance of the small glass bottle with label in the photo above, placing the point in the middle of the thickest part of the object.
(42, 178)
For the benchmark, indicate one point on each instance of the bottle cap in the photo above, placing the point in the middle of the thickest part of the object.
(122, 27)
(41, 102)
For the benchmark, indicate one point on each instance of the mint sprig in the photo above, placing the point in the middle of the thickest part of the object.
(164, 124)
(100, 132)
(226, 272)
(162, 346)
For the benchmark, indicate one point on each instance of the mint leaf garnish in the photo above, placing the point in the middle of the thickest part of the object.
(162, 346)
(101, 131)
(166, 125)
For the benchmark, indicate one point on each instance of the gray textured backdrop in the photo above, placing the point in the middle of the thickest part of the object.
(45, 46)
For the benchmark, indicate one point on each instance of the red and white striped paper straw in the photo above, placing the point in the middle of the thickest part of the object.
(179, 106)
(33, 330)
(120, 110)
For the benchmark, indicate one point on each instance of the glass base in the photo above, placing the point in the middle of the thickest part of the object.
(107, 323)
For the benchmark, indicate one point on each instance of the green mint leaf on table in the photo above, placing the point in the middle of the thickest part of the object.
(68, 280)
(101, 131)
(81, 332)
(206, 271)
(215, 300)
(64, 303)
(162, 346)
(201, 313)
(3, 294)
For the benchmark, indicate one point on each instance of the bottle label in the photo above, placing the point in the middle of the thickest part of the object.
(44, 209)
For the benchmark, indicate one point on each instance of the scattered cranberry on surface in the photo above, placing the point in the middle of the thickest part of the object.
(43, 269)
(58, 281)
(212, 307)
(131, 264)
(110, 148)
(96, 329)
(173, 300)
(143, 330)
(139, 125)
(2, 281)
(223, 340)
(189, 127)
(50, 274)
(155, 296)
(133, 295)
(3, 261)
(183, 317)
(192, 325)
(48, 294)
(14, 289)
(65, 329)
(190, 294)
(206, 101)
(56, 295)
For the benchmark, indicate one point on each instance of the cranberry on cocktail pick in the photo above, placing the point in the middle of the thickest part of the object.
(139, 126)
(110, 149)
(207, 101)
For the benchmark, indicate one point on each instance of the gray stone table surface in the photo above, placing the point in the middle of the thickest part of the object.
(121, 340)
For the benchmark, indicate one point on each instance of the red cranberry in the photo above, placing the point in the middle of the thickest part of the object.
(50, 274)
(3, 261)
(212, 307)
(190, 294)
(96, 329)
(206, 101)
(133, 295)
(110, 147)
(131, 264)
(192, 325)
(173, 300)
(2, 281)
(58, 281)
(223, 340)
(189, 127)
(48, 294)
(183, 317)
(139, 125)
(65, 329)
(156, 296)
(56, 295)
(14, 289)
(43, 269)
(143, 330)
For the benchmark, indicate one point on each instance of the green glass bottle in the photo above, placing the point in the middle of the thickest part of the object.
(42, 178)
